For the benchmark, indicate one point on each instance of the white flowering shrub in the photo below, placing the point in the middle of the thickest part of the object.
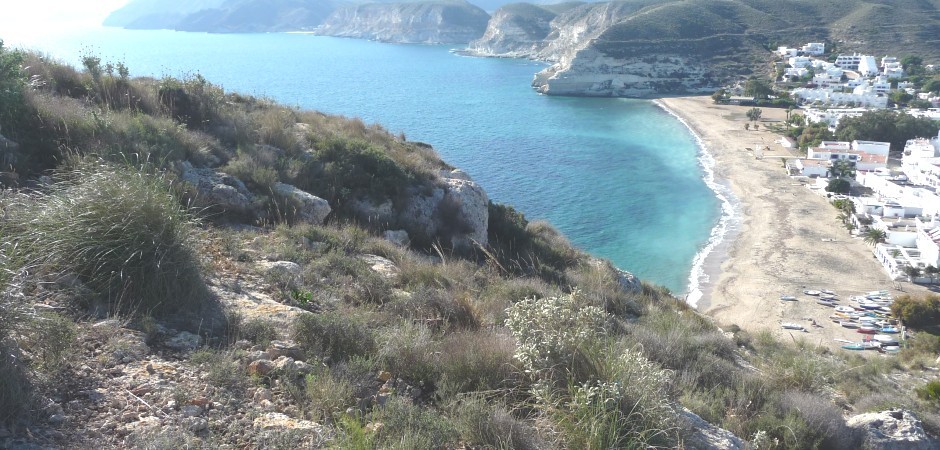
(550, 330)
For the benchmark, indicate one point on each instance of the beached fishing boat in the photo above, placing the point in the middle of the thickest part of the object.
(854, 346)
(792, 326)
(890, 330)
(825, 303)
(890, 348)
(867, 329)
(828, 296)
(788, 298)
(812, 292)
(847, 324)
(845, 309)
(885, 339)
(827, 291)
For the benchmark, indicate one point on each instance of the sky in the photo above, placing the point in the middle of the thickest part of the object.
(30, 17)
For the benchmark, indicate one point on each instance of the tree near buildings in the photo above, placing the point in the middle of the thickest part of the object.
(886, 126)
(875, 236)
(757, 88)
(753, 114)
(838, 186)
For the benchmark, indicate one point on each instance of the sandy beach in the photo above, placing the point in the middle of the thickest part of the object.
(788, 237)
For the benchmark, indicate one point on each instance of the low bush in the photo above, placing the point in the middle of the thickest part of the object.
(334, 335)
(477, 361)
(409, 351)
(407, 426)
(221, 368)
(120, 232)
(326, 396)
(492, 426)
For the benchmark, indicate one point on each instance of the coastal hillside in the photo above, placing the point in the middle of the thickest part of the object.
(425, 22)
(647, 48)
(185, 267)
(516, 30)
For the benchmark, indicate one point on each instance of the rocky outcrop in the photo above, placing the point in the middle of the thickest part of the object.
(701, 435)
(895, 429)
(514, 31)
(306, 207)
(456, 211)
(423, 22)
(639, 50)
(216, 189)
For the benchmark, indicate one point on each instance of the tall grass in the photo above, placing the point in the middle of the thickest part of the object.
(120, 231)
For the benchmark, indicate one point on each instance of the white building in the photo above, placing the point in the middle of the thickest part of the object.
(852, 61)
(831, 116)
(872, 147)
(787, 52)
(867, 66)
(798, 72)
(799, 61)
(826, 96)
(803, 167)
(888, 60)
(814, 48)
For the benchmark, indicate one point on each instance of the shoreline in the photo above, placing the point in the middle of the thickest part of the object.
(787, 238)
(706, 265)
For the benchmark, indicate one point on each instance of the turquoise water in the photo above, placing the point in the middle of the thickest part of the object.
(621, 178)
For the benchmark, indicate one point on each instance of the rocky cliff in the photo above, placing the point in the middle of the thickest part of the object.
(648, 48)
(430, 22)
(517, 30)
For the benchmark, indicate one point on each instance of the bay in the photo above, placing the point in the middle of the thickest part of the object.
(620, 178)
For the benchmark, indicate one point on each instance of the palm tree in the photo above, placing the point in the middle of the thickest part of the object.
(875, 236)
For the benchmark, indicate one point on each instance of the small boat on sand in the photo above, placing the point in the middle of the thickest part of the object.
(788, 298)
(812, 292)
(854, 346)
(828, 296)
(867, 329)
(845, 309)
(847, 324)
(890, 330)
(792, 326)
(885, 339)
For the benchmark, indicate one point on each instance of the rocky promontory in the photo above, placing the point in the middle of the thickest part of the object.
(651, 48)
(423, 22)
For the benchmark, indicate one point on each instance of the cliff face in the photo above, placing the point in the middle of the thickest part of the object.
(418, 22)
(648, 48)
(516, 31)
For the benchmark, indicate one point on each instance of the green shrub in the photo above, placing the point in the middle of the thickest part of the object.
(493, 427)
(479, 360)
(409, 352)
(930, 391)
(407, 426)
(553, 332)
(325, 396)
(221, 368)
(917, 312)
(334, 335)
(121, 232)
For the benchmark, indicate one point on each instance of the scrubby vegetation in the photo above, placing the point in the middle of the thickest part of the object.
(525, 342)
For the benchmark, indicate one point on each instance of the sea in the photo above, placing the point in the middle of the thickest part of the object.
(623, 179)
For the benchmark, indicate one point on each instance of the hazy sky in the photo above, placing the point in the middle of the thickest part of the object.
(19, 17)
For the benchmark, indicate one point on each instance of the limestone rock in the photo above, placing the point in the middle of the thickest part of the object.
(308, 207)
(184, 341)
(397, 237)
(289, 349)
(457, 210)
(275, 420)
(701, 435)
(894, 429)
(628, 281)
(260, 368)
(408, 22)
(515, 31)
(280, 268)
(217, 189)
(384, 267)
(370, 211)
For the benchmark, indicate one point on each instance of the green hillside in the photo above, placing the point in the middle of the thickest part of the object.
(160, 288)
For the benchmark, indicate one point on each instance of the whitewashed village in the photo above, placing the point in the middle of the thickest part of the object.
(885, 195)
